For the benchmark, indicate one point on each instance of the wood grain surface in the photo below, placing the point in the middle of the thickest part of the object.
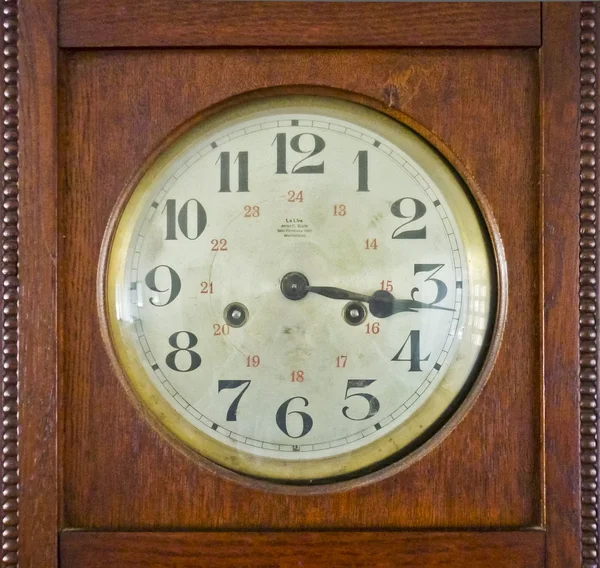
(522, 123)
(170, 23)
(119, 473)
(30, 505)
(287, 550)
(560, 154)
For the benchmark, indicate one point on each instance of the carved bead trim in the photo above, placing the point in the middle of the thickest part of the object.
(10, 288)
(588, 285)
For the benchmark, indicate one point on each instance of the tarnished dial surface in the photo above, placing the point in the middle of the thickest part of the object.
(298, 288)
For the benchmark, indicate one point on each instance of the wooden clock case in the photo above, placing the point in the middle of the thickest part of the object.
(506, 91)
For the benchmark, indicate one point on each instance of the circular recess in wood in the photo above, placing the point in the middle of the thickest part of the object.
(302, 289)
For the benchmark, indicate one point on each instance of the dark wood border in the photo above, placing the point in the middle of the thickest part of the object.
(29, 236)
(588, 287)
(178, 23)
(29, 436)
(509, 549)
(559, 97)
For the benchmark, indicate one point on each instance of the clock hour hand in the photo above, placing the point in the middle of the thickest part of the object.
(295, 286)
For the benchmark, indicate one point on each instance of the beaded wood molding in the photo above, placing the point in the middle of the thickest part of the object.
(588, 286)
(10, 288)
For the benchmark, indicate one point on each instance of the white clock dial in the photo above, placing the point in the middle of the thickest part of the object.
(299, 288)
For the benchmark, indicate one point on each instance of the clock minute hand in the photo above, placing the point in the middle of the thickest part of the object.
(382, 304)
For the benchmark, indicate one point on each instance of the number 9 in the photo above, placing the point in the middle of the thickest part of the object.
(174, 285)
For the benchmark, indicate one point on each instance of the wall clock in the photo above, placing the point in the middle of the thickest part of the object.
(315, 288)
(226, 340)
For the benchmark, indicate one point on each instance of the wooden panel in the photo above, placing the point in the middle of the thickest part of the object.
(151, 23)
(29, 235)
(560, 156)
(333, 549)
(118, 472)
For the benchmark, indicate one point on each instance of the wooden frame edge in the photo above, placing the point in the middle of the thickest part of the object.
(187, 23)
(568, 99)
(588, 287)
(29, 237)
(378, 549)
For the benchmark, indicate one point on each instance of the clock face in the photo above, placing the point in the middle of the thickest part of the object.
(299, 289)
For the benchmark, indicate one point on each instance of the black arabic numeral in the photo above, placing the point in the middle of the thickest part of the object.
(171, 208)
(242, 162)
(281, 141)
(363, 170)
(282, 416)
(317, 147)
(418, 213)
(442, 289)
(232, 411)
(190, 230)
(174, 285)
(194, 358)
(373, 402)
(414, 338)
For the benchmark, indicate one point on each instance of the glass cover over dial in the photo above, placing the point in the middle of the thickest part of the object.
(299, 289)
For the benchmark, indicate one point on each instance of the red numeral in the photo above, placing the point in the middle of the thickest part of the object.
(252, 361)
(341, 361)
(206, 287)
(297, 376)
(339, 210)
(219, 329)
(387, 285)
(218, 245)
(251, 211)
(371, 244)
(373, 328)
(295, 197)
